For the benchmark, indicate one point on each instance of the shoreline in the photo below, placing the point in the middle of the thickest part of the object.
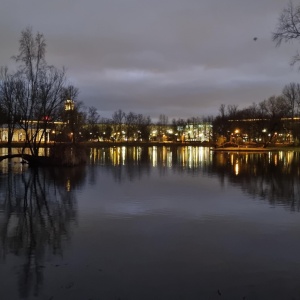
(245, 148)
(115, 144)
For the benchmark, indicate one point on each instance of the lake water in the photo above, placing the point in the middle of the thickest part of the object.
(152, 223)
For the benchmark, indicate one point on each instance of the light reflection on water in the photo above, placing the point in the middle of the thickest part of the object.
(186, 156)
(153, 223)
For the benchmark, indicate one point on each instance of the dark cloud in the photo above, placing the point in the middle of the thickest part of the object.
(180, 57)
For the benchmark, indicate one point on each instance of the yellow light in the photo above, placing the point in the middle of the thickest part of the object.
(236, 167)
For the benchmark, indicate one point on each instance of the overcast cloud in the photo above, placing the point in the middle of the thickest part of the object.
(182, 58)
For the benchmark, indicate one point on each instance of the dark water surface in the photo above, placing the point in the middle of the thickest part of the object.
(152, 223)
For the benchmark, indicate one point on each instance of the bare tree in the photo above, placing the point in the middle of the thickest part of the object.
(222, 110)
(69, 92)
(39, 90)
(35, 94)
(220, 124)
(143, 127)
(92, 122)
(207, 123)
(163, 120)
(131, 125)
(232, 111)
(8, 102)
(118, 120)
(105, 128)
(77, 122)
(291, 92)
(162, 123)
(274, 109)
(288, 28)
(256, 123)
(179, 126)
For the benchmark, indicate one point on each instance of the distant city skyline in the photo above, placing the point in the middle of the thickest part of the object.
(181, 58)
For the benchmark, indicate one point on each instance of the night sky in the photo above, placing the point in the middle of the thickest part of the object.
(181, 58)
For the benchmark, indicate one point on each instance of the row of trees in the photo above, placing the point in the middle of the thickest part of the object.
(277, 114)
(264, 121)
(33, 97)
(269, 118)
(135, 127)
(261, 121)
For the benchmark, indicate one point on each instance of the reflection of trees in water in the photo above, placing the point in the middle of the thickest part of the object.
(125, 163)
(133, 162)
(38, 207)
(273, 176)
(270, 175)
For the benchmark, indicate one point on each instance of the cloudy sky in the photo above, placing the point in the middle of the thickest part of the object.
(181, 58)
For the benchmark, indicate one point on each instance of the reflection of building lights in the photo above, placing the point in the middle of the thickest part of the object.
(68, 185)
(169, 159)
(231, 159)
(290, 157)
(154, 156)
(236, 167)
(123, 153)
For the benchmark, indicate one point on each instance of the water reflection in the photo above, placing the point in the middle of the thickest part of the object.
(273, 176)
(11, 165)
(37, 208)
(131, 162)
(151, 216)
(158, 156)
